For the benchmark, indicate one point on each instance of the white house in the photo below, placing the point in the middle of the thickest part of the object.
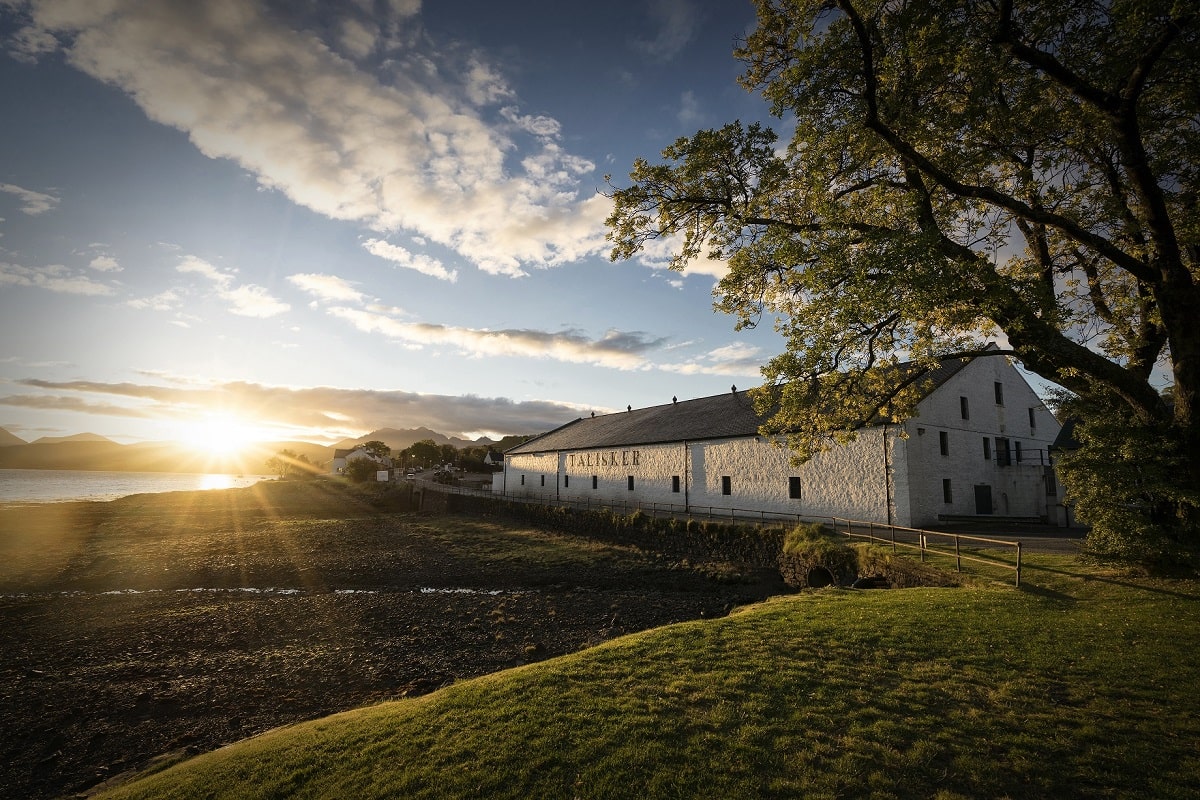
(976, 447)
(342, 456)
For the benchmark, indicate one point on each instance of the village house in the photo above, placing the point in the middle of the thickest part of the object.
(978, 446)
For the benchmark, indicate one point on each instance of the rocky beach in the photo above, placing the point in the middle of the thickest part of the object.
(155, 627)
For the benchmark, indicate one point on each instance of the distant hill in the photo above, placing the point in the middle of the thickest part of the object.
(8, 440)
(149, 457)
(403, 439)
(78, 437)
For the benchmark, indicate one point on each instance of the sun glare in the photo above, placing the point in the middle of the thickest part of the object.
(218, 435)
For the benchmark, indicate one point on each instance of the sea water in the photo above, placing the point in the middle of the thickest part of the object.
(59, 485)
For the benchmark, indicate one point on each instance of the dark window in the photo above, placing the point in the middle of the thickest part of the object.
(794, 488)
(947, 496)
(999, 387)
(726, 485)
(522, 480)
(675, 483)
(543, 480)
(1017, 451)
(964, 408)
(1051, 483)
(1032, 421)
(944, 442)
(566, 481)
(987, 448)
(631, 483)
(595, 481)
(1003, 452)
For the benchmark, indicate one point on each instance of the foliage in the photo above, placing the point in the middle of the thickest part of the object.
(958, 170)
(377, 450)
(361, 469)
(1080, 688)
(1140, 508)
(288, 464)
(425, 452)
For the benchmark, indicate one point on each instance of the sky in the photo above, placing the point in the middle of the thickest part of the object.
(307, 220)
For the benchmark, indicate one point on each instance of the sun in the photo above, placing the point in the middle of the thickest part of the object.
(217, 434)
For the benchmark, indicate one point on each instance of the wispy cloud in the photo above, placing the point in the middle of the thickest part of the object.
(326, 287)
(418, 143)
(247, 300)
(32, 203)
(673, 23)
(105, 264)
(53, 278)
(402, 257)
(311, 412)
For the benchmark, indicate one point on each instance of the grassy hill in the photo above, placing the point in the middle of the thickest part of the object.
(1081, 684)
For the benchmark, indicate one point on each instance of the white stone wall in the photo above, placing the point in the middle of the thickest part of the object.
(1017, 489)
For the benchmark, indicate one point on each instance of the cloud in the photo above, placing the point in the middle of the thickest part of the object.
(247, 300)
(313, 412)
(676, 21)
(163, 301)
(616, 349)
(734, 359)
(402, 257)
(54, 278)
(105, 264)
(32, 203)
(326, 287)
(417, 145)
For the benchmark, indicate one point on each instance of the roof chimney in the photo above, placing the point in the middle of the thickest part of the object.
(674, 399)
(629, 408)
(733, 389)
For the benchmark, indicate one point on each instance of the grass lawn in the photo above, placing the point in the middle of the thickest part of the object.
(1083, 683)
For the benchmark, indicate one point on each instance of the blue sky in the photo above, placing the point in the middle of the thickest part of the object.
(309, 220)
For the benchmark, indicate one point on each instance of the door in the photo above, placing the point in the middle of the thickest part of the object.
(983, 499)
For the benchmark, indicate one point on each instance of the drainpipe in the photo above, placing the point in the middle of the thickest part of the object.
(887, 478)
(686, 505)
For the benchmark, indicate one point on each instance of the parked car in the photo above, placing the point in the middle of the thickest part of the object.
(410, 477)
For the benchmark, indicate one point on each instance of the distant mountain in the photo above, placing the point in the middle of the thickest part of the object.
(150, 457)
(403, 439)
(8, 440)
(79, 437)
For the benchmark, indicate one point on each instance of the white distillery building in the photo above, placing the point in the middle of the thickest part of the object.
(976, 447)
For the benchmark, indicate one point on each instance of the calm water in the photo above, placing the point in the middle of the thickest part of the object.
(56, 485)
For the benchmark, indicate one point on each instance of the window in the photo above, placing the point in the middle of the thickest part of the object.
(1003, 452)
(1032, 421)
(522, 480)
(566, 481)
(794, 488)
(675, 484)
(1051, 483)
(947, 495)
(1017, 449)
(726, 485)
(543, 480)
(999, 387)
(631, 483)
(595, 481)
(944, 442)
(987, 448)
(964, 408)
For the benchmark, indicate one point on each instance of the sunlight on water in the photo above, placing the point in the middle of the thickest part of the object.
(216, 482)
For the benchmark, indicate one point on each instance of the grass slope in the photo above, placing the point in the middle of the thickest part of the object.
(1082, 684)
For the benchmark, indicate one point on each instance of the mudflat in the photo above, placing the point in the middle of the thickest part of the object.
(159, 626)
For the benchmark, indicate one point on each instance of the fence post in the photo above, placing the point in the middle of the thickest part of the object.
(922, 548)
(893, 527)
(957, 555)
(1018, 563)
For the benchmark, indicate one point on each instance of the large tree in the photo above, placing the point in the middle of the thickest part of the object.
(957, 170)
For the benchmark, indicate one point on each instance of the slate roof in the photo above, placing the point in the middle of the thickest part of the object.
(722, 416)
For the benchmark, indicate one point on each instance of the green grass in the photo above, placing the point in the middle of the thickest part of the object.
(1080, 684)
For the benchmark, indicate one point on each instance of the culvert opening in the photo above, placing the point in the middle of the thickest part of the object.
(819, 576)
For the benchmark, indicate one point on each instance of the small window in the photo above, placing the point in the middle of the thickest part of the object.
(947, 495)
(543, 480)
(999, 387)
(964, 408)
(944, 442)
(1032, 420)
(726, 485)
(522, 480)
(1017, 451)
(566, 481)
(675, 484)
(1051, 483)
(794, 488)
(631, 483)
(987, 448)
(1003, 452)
(595, 481)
